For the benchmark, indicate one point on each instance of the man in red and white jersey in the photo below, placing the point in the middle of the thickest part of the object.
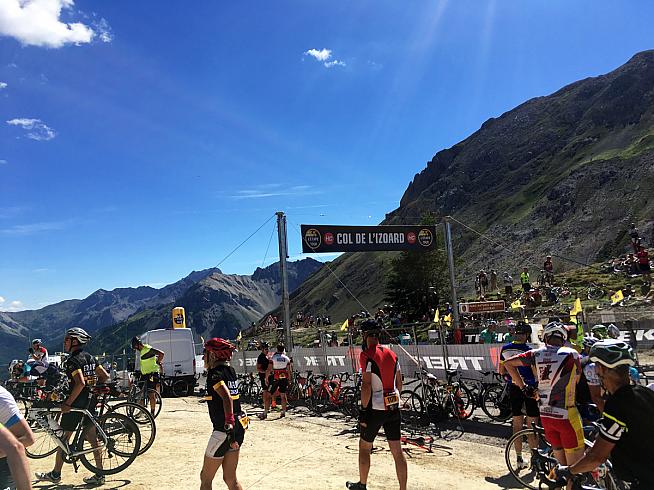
(280, 365)
(380, 404)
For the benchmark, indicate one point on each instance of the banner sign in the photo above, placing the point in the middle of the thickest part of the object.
(337, 238)
(482, 307)
(179, 317)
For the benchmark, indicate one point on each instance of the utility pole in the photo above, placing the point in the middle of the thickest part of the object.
(283, 255)
(450, 263)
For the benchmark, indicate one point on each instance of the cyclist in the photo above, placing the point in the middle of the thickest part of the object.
(229, 422)
(626, 429)
(612, 331)
(380, 396)
(262, 368)
(520, 404)
(39, 352)
(82, 370)
(600, 331)
(13, 452)
(13, 421)
(151, 368)
(557, 371)
(280, 368)
(590, 380)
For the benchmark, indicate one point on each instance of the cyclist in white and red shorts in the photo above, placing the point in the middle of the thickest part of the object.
(380, 407)
(281, 373)
(557, 369)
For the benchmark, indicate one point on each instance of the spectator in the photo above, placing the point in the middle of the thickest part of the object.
(643, 263)
(493, 281)
(524, 280)
(488, 335)
(549, 270)
(458, 335)
(631, 265)
(508, 285)
(483, 283)
(634, 236)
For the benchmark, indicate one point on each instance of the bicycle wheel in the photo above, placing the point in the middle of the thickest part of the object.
(495, 403)
(44, 444)
(464, 400)
(157, 402)
(527, 472)
(413, 409)
(122, 447)
(350, 401)
(143, 419)
(179, 388)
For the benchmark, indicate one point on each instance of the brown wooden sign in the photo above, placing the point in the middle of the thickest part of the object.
(482, 307)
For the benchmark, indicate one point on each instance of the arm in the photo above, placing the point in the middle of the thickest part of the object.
(21, 431)
(398, 378)
(366, 389)
(78, 385)
(15, 453)
(597, 455)
(102, 374)
(596, 396)
(511, 366)
(228, 407)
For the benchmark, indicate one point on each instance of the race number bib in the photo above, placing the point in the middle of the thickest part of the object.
(391, 400)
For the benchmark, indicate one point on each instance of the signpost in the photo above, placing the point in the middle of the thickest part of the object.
(482, 307)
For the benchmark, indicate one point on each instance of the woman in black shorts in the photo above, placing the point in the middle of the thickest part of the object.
(229, 422)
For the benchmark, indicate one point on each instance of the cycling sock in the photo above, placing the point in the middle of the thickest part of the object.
(55, 474)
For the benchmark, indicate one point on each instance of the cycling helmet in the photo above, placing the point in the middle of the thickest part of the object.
(221, 349)
(589, 341)
(135, 341)
(523, 328)
(263, 345)
(613, 331)
(36, 341)
(79, 334)
(612, 353)
(369, 326)
(600, 331)
(12, 365)
(555, 329)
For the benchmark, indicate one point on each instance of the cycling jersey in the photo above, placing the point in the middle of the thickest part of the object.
(591, 374)
(222, 374)
(280, 364)
(627, 422)
(557, 369)
(382, 363)
(82, 361)
(9, 412)
(148, 365)
(513, 349)
(262, 363)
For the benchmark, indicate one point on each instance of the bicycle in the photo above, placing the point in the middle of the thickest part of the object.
(595, 291)
(176, 387)
(139, 392)
(542, 462)
(112, 438)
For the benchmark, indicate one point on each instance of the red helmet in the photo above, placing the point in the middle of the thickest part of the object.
(220, 348)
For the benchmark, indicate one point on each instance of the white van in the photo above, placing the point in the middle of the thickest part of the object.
(179, 353)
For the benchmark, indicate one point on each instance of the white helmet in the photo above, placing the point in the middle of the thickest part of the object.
(79, 334)
(12, 364)
(555, 329)
(614, 332)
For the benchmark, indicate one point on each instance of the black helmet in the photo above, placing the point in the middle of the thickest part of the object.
(135, 341)
(612, 353)
(263, 345)
(523, 327)
(368, 326)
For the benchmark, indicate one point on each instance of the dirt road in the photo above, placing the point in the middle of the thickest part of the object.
(299, 451)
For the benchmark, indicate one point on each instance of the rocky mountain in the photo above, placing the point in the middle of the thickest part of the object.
(562, 174)
(210, 297)
(218, 305)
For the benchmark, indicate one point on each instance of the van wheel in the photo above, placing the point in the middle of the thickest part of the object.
(179, 388)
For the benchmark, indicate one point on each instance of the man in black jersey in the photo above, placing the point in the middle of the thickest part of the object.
(229, 421)
(83, 371)
(262, 367)
(626, 429)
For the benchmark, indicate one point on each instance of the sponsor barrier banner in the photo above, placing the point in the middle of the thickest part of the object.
(337, 238)
(471, 359)
(482, 307)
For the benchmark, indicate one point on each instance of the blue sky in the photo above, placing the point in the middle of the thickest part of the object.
(142, 140)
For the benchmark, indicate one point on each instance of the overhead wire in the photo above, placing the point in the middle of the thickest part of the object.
(243, 242)
(268, 247)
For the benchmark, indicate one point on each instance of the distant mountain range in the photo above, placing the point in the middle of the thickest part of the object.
(563, 174)
(215, 303)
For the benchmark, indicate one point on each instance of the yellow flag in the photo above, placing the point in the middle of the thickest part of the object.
(238, 337)
(345, 324)
(516, 304)
(617, 297)
(576, 309)
(448, 319)
(437, 316)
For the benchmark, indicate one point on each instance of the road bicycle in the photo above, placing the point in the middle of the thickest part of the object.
(491, 396)
(174, 386)
(140, 392)
(104, 445)
(535, 471)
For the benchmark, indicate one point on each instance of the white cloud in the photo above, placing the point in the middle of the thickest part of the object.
(33, 228)
(3, 85)
(3, 162)
(14, 306)
(2, 300)
(38, 23)
(261, 192)
(324, 55)
(35, 128)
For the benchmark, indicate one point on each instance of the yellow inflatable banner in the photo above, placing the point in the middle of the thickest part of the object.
(179, 317)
